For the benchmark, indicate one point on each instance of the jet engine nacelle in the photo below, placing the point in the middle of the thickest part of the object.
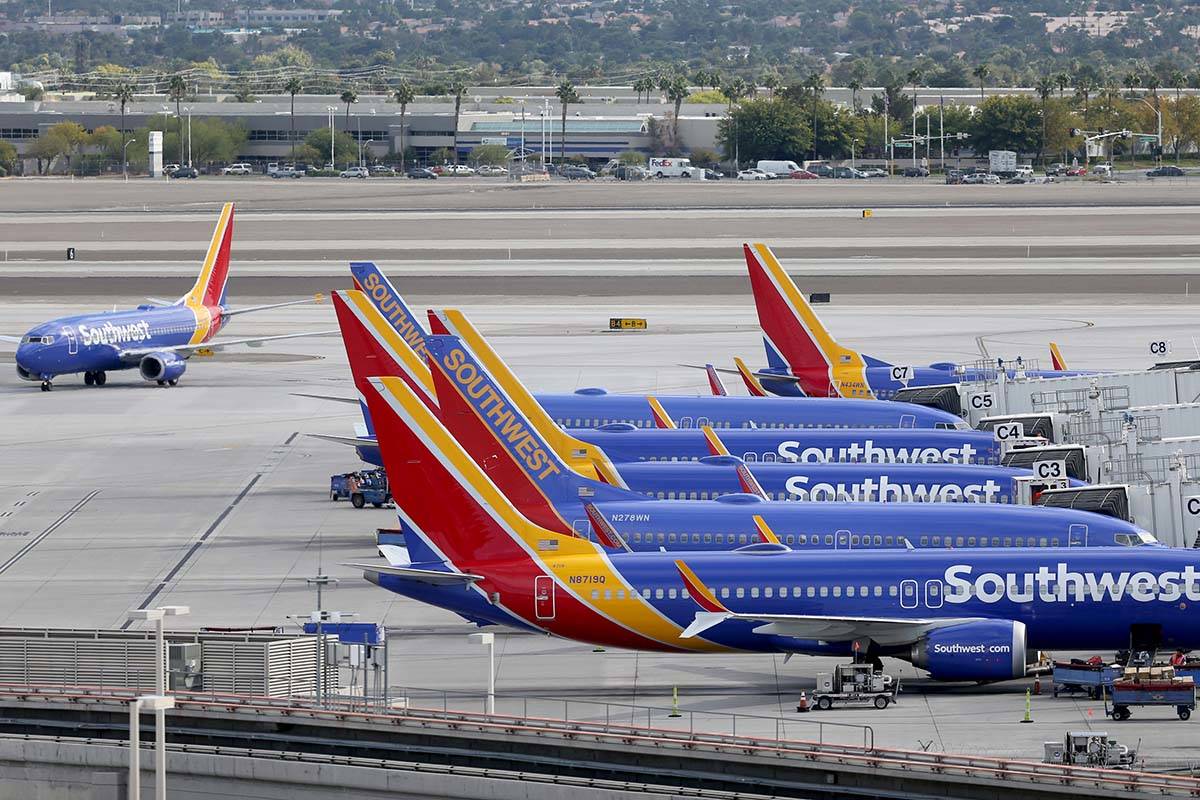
(162, 366)
(988, 650)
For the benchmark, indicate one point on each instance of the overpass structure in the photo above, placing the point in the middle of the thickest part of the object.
(72, 740)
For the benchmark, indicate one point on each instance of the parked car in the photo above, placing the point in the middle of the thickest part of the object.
(574, 172)
(915, 172)
(186, 172)
(237, 169)
(874, 172)
(288, 172)
(169, 168)
(803, 175)
(753, 174)
(1077, 172)
(631, 172)
(820, 170)
(421, 173)
(1057, 168)
(981, 178)
(458, 169)
(847, 172)
(355, 172)
(712, 174)
(383, 171)
(1166, 171)
(491, 171)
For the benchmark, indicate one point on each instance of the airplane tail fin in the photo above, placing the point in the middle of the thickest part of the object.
(715, 384)
(209, 289)
(371, 281)
(753, 386)
(585, 459)
(661, 418)
(375, 349)
(491, 428)
(792, 332)
(1056, 357)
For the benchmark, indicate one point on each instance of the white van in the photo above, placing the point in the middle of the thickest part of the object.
(671, 168)
(779, 169)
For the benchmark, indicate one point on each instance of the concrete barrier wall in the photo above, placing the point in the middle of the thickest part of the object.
(52, 770)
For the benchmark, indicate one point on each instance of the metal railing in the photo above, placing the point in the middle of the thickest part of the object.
(1107, 430)
(829, 755)
(1075, 401)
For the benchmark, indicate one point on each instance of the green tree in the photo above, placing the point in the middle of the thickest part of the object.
(632, 158)
(293, 87)
(1006, 122)
(981, 73)
(124, 95)
(349, 97)
(703, 157)
(61, 140)
(566, 95)
(677, 92)
(643, 86)
(765, 128)
(458, 88)
(855, 86)
(404, 95)
(1045, 88)
(213, 140)
(177, 90)
(8, 158)
(492, 154)
(316, 149)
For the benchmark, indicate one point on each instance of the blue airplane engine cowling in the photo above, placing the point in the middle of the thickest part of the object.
(161, 366)
(987, 650)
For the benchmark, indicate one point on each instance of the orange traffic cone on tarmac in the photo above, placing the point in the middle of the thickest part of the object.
(803, 704)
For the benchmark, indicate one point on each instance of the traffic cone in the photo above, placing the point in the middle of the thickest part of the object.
(803, 704)
(1028, 708)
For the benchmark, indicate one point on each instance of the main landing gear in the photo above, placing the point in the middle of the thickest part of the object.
(95, 378)
(171, 382)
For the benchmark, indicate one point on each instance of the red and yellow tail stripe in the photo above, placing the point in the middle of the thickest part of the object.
(715, 446)
(703, 596)
(764, 530)
(748, 377)
(661, 418)
(375, 348)
(1056, 357)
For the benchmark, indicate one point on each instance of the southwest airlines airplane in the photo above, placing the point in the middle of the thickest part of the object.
(971, 614)
(156, 340)
(804, 359)
(492, 430)
(592, 408)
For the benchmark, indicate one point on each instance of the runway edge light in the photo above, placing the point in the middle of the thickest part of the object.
(868, 213)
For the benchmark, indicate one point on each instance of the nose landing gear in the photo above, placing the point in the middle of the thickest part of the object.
(47, 386)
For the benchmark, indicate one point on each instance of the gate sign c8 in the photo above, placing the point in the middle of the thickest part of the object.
(1009, 431)
(1050, 470)
(1160, 347)
(902, 374)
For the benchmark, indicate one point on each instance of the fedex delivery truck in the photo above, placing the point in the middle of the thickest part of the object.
(672, 168)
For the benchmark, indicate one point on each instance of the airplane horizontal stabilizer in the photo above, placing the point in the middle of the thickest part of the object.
(430, 576)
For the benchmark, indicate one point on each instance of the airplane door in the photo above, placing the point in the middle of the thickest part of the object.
(908, 594)
(1077, 536)
(702, 421)
(842, 540)
(543, 597)
(933, 594)
(72, 342)
(908, 421)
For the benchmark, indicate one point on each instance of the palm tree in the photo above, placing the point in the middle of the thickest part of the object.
(124, 95)
(404, 95)
(349, 97)
(1177, 80)
(770, 81)
(566, 95)
(816, 85)
(1084, 85)
(644, 86)
(677, 91)
(734, 90)
(1132, 80)
(177, 90)
(914, 78)
(1045, 88)
(458, 88)
(855, 86)
(1062, 80)
(293, 87)
(981, 72)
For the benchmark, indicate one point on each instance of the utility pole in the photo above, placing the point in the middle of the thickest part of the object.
(942, 132)
(887, 143)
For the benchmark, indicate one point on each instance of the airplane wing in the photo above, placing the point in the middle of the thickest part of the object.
(430, 576)
(353, 441)
(11, 339)
(137, 353)
(884, 630)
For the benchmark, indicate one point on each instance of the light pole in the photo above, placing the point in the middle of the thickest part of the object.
(488, 639)
(189, 134)
(1158, 114)
(156, 615)
(363, 147)
(853, 142)
(158, 704)
(125, 159)
(331, 110)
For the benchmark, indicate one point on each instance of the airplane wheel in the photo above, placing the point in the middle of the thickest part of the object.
(174, 382)
(101, 378)
(162, 383)
(47, 386)
(89, 379)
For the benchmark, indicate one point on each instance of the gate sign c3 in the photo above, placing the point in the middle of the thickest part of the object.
(626, 324)
(1050, 470)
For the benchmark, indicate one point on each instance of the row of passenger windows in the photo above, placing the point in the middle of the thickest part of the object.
(755, 592)
(788, 496)
(856, 540)
(687, 422)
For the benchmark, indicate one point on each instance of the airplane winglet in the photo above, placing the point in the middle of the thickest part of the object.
(715, 446)
(714, 381)
(752, 384)
(703, 596)
(703, 621)
(605, 532)
(661, 418)
(1056, 357)
(764, 530)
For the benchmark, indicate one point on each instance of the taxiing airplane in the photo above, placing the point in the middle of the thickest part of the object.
(969, 614)
(155, 339)
(804, 359)
(593, 408)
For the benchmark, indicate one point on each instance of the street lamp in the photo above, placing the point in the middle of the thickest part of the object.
(160, 690)
(332, 111)
(488, 639)
(1158, 114)
(363, 147)
(853, 142)
(125, 159)
(189, 134)
(158, 704)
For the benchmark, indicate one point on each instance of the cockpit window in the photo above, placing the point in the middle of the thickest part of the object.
(37, 339)
(1146, 537)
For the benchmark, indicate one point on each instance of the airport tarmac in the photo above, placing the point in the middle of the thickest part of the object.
(210, 495)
